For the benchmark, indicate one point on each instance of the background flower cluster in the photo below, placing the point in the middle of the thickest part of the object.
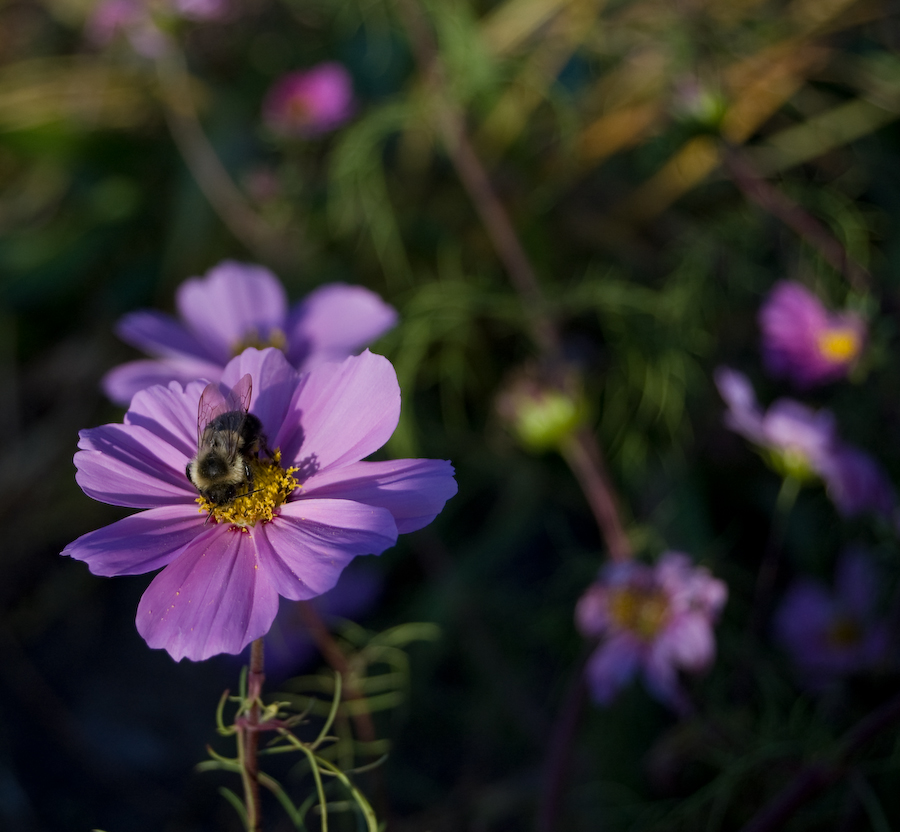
(635, 250)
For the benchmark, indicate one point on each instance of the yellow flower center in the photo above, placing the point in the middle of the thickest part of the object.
(252, 338)
(271, 486)
(839, 345)
(844, 632)
(643, 611)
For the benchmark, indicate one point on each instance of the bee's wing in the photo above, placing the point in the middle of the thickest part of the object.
(212, 404)
(239, 397)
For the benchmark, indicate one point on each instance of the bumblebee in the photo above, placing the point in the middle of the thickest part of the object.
(228, 438)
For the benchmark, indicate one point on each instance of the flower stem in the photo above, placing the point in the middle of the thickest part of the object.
(768, 569)
(207, 169)
(582, 453)
(248, 739)
(780, 205)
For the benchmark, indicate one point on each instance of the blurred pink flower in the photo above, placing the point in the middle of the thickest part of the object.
(802, 443)
(240, 305)
(804, 342)
(654, 619)
(134, 19)
(200, 9)
(310, 102)
(128, 18)
(834, 633)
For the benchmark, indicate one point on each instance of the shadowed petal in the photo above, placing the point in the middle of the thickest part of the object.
(232, 302)
(611, 666)
(122, 383)
(413, 490)
(140, 543)
(335, 321)
(126, 465)
(744, 415)
(857, 583)
(341, 413)
(274, 384)
(214, 598)
(161, 335)
(169, 413)
(313, 540)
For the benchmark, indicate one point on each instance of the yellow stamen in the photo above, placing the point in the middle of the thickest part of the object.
(643, 611)
(839, 345)
(252, 338)
(272, 485)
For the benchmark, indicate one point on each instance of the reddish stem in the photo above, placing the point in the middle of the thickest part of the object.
(248, 736)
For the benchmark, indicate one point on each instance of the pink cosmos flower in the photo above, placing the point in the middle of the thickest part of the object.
(803, 443)
(130, 18)
(804, 342)
(135, 20)
(830, 634)
(200, 9)
(238, 305)
(310, 102)
(314, 506)
(653, 619)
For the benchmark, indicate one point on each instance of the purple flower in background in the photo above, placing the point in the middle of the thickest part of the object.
(135, 20)
(236, 306)
(313, 508)
(310, 102)
(829, 634)
(802, 443)
(654, 619)
(200, 9)
(804, 342)
(131, 18)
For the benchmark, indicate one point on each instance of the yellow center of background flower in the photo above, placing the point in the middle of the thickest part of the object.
(839, 345)
(252, 338)
(272, 485)
(641, 611)
(844, 632)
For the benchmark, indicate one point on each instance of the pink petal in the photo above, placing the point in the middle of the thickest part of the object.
(126, 465)
(687, 642)
(214, 598)
(140, 543)
(413, 490)
(611, 666)
(160, 335)
(341, 413)
(334, 321)
(233, 301)
(169, 413)
(274, 385)
(744, 415)
(308, 545)
(123, 382)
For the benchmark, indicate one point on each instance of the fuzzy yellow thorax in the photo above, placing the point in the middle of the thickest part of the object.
(272, 485)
